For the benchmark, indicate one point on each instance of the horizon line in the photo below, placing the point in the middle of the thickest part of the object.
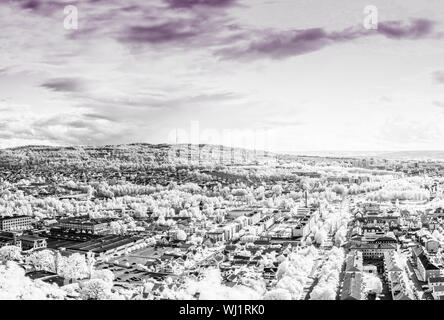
(319, 153)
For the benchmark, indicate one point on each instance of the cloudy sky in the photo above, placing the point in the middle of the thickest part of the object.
(293, 75)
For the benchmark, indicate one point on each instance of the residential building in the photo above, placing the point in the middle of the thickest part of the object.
(354, 262)
(9, 239)
(438, 292)
(32, 242)
(373, 251)
(427, 268)
(16, 223)
(352, 286)
(216, 235)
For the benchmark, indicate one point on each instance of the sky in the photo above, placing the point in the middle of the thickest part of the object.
(281, 75)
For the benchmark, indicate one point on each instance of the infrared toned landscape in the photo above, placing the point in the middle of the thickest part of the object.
(221, 150)
(177, 221)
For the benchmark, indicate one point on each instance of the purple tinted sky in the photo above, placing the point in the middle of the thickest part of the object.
(282, 75)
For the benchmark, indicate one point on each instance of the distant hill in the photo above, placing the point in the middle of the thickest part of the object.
(165, 154)
(145, 153)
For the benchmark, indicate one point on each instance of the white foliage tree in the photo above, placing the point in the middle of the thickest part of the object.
(10, 253)
(96, 289)
(42, 260)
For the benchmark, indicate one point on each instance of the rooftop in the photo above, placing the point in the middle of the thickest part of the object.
(426, 262)
(352, 286)
(436, 279)
(103, 244)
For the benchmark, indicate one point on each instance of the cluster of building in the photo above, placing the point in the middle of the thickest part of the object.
(402, 248)
(239, 239)
(244, 239)
(13, 232)
(396, 277)
(373, 232)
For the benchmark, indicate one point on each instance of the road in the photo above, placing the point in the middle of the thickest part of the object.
(345, 206)
(313, 277)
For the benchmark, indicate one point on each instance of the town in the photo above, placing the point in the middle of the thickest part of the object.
(182, 221)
